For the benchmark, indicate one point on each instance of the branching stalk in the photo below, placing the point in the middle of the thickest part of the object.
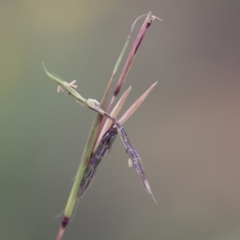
(97, 131)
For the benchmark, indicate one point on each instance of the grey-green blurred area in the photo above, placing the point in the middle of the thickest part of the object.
(187, 132)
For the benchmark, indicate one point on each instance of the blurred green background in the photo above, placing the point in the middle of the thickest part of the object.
(187, 132)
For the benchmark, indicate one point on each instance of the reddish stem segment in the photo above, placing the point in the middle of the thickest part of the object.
(147, 23)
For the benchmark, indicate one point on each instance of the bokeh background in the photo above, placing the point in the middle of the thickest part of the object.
(187, 131)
